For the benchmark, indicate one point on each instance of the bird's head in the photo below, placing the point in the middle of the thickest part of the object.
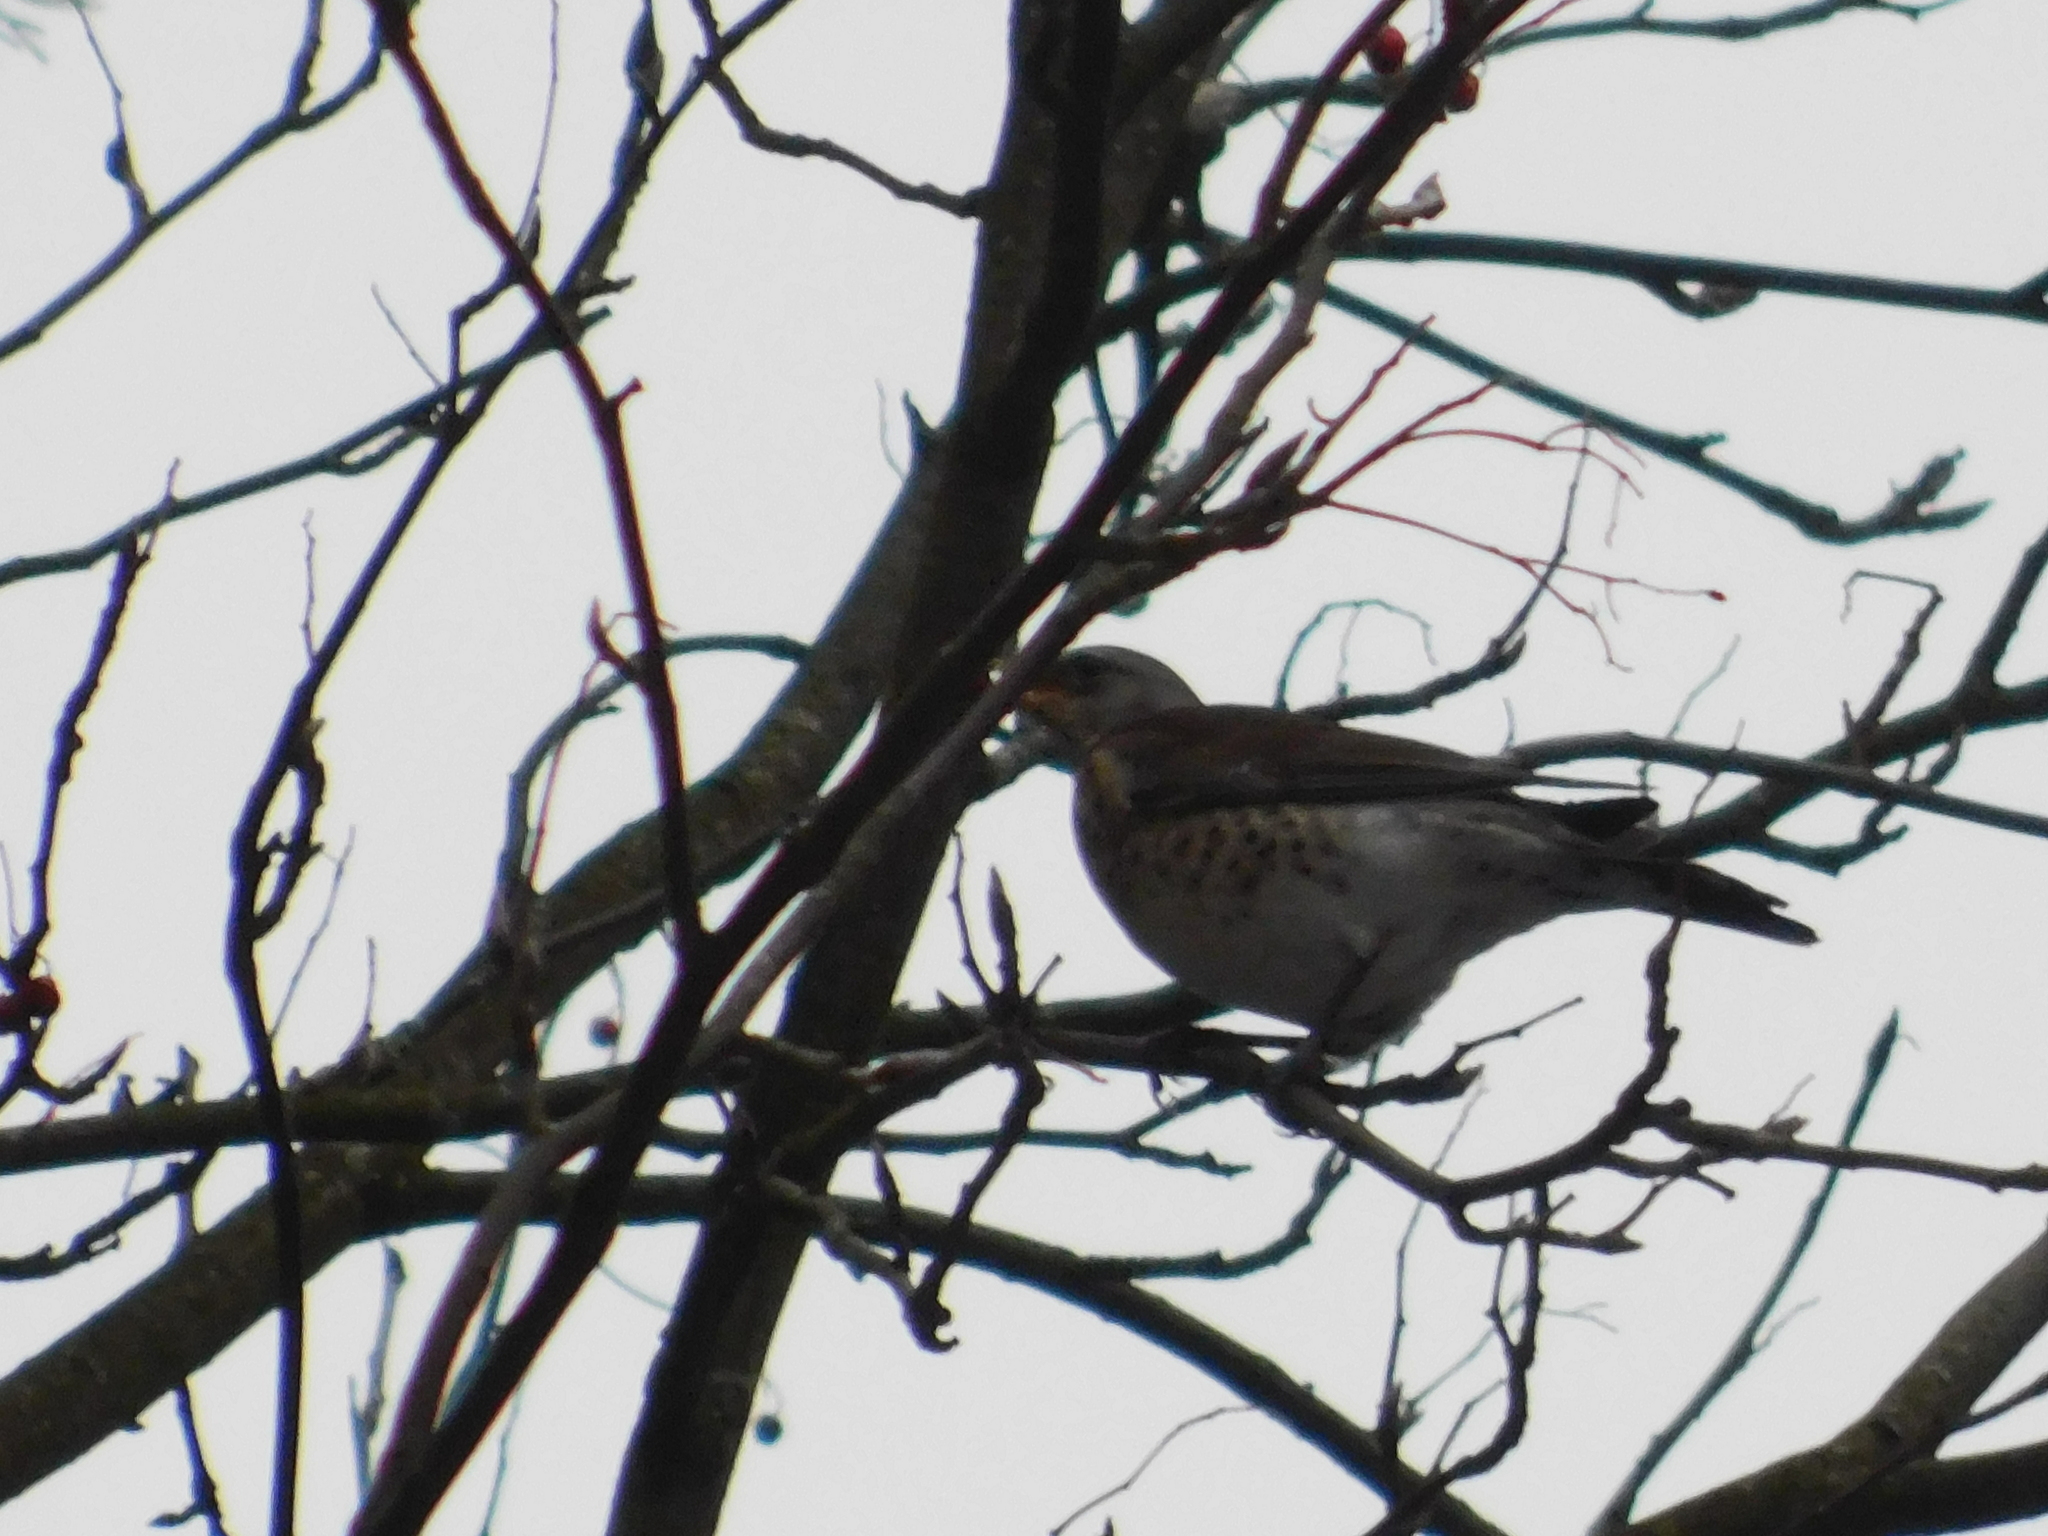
(1096, 689)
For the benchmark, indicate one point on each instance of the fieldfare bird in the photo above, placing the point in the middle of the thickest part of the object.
(1330, 877)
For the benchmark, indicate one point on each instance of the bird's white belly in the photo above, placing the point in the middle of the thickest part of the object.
(1348, 920)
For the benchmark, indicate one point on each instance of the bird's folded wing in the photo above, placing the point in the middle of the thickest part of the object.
(1188, 760)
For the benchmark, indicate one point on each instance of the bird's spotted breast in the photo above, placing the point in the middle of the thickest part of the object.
(1228, 857)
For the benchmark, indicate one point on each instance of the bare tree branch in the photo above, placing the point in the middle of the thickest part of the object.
(1642, 22)
(1912, 1417)
(1665, 275)
(1744, 1347)
(293, 117)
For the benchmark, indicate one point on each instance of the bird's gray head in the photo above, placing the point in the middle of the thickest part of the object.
(1097, 688)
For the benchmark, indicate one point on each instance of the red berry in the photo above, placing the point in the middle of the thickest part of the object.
(1386, 51)
(1465, 94)
(35, 999)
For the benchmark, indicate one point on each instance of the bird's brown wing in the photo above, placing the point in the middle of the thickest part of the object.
(1186, 760)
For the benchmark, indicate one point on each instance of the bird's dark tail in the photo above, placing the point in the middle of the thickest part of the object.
(1704, 895)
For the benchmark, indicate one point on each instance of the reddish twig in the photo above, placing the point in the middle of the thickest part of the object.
(606, 424)
(420, 1402)
(1273, 195)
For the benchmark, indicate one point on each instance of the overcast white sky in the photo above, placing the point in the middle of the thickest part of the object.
(781, 312)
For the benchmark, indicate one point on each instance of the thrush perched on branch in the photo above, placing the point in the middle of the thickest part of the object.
(1335, 878)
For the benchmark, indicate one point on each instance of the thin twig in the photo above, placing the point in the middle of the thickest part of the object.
(607, 427)
(444, 1196)
(357, 452)
(420, 1402)
(1662, 273)
(366, 1409)
(293, 117)
(104, 1234)
(1640, 22)
(1144, 1465)
(1743, 1348)
(1216, 1265)
(66, 743)
(252, 915)
(120, 159)
(799, 146)
(1909, 508)
(205, 1503)
(1805, 774)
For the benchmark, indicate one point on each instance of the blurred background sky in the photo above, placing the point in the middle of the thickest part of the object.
(781, 313)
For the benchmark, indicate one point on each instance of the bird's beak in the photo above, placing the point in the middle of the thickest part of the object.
(1045, 714)
(1041, 700)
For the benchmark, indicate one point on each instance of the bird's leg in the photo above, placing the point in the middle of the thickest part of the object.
(1362, 961)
